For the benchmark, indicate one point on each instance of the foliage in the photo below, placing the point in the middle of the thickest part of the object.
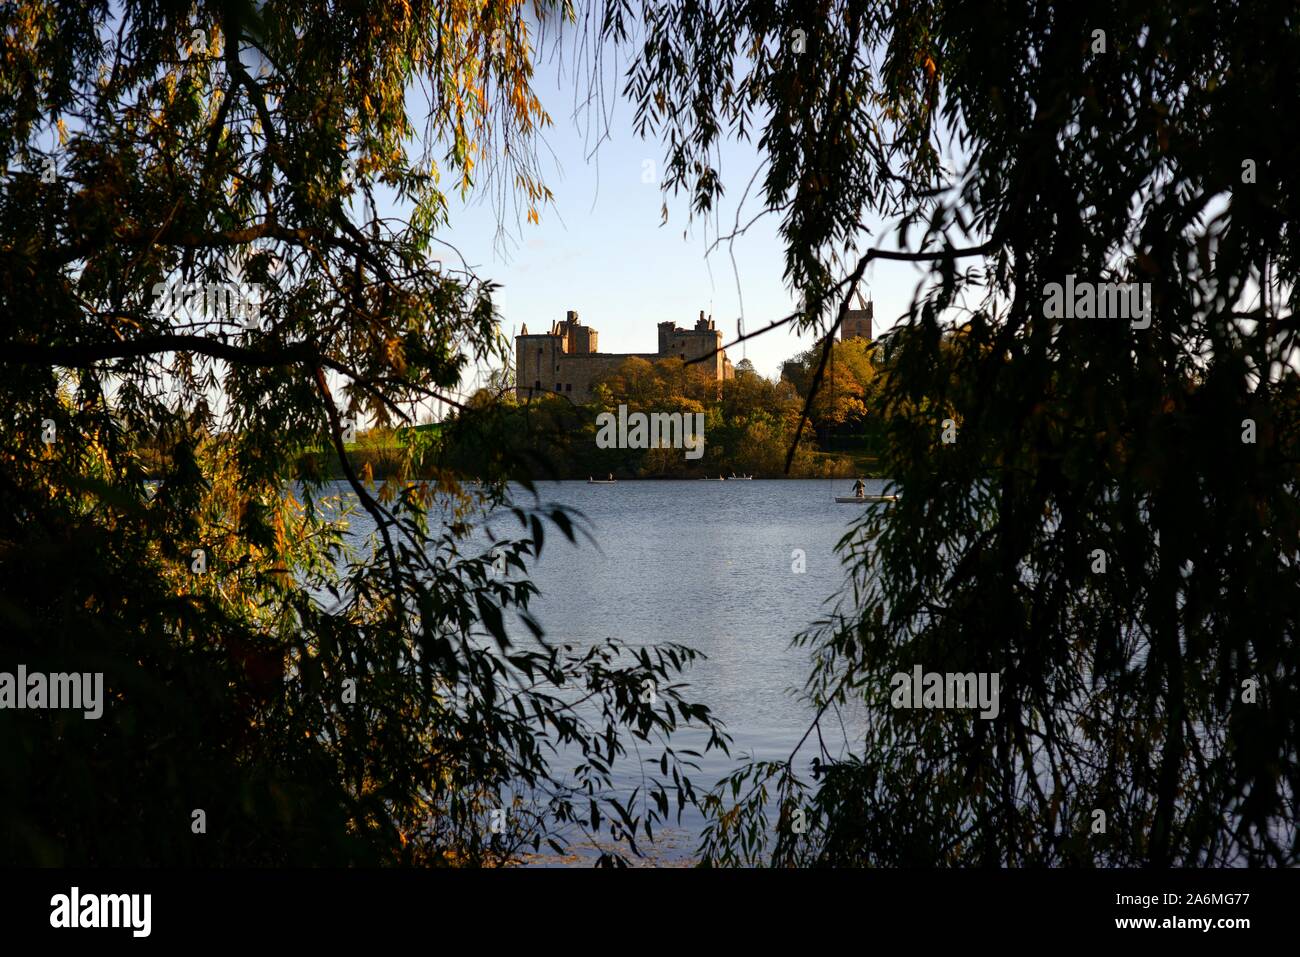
(320, 703)
(748, 426)
(1007, 147)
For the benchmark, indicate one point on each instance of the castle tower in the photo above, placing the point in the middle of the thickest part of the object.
(857, 322)
(567, 360)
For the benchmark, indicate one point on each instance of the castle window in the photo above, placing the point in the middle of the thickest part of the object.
(569, 387)
(538, 385)
(557, 387)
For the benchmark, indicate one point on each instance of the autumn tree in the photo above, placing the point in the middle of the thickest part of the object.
(1101, 510)
(204, 282)
(841, 400)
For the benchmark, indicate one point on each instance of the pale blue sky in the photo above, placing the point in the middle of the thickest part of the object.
(601, 249)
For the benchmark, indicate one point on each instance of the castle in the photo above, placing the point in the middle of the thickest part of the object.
(856, 325)
(565, 359)
(857, 322)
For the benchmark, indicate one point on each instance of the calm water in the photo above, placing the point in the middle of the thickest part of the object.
(706, 564)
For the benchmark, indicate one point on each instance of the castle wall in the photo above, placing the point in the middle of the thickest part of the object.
(706, 343)
(536, 360)
(565, 360)
(857, 323)
(578, 373)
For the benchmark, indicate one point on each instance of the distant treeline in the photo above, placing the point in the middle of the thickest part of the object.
(749, 426)
(749, 423)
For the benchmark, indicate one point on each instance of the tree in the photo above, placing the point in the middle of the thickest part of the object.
(845, 392)
(1101, 512)
(196, 279)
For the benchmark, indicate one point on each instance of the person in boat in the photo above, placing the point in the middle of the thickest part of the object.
(859, 489)
(611, 476)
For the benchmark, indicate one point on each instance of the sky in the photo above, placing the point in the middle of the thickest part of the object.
(602, 250)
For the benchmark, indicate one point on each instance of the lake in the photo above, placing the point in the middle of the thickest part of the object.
(709, 565)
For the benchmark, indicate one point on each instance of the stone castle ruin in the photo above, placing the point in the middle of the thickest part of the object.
(565, 360)
(857, 325)
(857, 322)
